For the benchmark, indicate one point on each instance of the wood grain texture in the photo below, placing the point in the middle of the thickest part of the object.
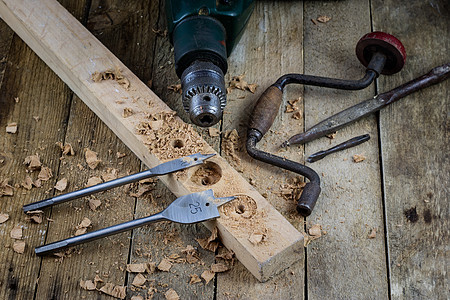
(344, 263)
(76, 66)
(415, 146)
(270, 46)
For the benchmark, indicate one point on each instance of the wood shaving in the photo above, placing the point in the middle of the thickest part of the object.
(11, 128)
(83, 226)
(16, 99)
(165, 265)
(33, 162)
(120, 155)
(37, 183)
(176, 88)
(323, 19)
(61, 185)
(110, 174)
(87, 285)
(27, 183)
(219, 268)
(111, 74)
(238, 82)
(139, 280)
(91, 158)
(293, 189)
(211, 243)
(297, 115)
(136, 268)
(194, 279)
(16, 232)
(372, 234)
(208, 275)
(66, 149)
(230, 145)
(213, 132)
(292, 105)
(192, 255)
(256, 238)
(138, 297)
(19, 247)
(5, 188)
(127, 112)
(94, 203)
(171, 295)
(358, 158)
(3, 218)
(93, 181)
(227, 255)
(114, 290)
(315, 230)
(331, 135)
(45, 174)
(143, 188)
(162, 33)
(97, 279)
(35, 216)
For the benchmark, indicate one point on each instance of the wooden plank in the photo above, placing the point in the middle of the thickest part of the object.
(75, 55)
(40, 94)
(270, 46)
(344, 263)
(415, 146)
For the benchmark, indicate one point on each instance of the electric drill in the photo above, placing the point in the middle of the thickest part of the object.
(203, 34)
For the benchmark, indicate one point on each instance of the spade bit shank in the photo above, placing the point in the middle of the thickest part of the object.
(188, 209)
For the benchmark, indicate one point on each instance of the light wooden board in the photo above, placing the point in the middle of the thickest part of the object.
(415, 146)
(78, 55)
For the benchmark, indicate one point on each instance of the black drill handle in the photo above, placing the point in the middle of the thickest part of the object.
(436, 75)
(266, 109)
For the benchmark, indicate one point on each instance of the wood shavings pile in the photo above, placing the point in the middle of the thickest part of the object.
(358, 158)
(111, 74)
(168, 137)
(83, 226)
(66, 149)
(210, 243)
(230, 145)
(5, 188)
(238, 82)
(293, 189)
(91, 158)
(11, 128)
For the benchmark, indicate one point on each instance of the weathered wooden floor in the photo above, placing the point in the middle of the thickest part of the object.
(401, 190)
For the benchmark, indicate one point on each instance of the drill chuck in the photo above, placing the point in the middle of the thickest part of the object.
(204, 93)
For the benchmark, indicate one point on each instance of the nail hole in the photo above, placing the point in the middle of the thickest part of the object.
(240, 209)
(178, 144)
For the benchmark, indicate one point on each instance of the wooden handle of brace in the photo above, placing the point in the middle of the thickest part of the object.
(266, 109)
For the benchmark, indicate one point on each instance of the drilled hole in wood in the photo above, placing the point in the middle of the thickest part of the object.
(240, 209)
(178, 144)
(207, 174)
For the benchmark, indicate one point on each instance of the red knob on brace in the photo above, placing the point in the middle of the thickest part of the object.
(382, 42)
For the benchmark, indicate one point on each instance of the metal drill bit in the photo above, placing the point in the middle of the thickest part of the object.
(188, 209)
(162, 169)
(345, 145)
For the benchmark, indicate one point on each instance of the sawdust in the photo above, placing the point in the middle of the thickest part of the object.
(87, 285)
(61, 185)
(93, 181)
(176, 88)
(213, 132)
(372, 234)
(171, 295)
(219, 268)
(170, 138)
(208, 275)
(19, 247)
(293, 189)
(323, 19)
(165, 265)
(66, 149)
(27, 183)
(113, 290)
(292, 105)
(91, 158)
(16, 233)
(230, 144)
(238, 82)
(45, 174)
(194, 279)
(83, 226)
(139, 280)
(94, 203)
(256, 238)
(210, 243)
(358, 158)
(127, 112)
(3, 218)
(33, 162)
(11, 128)
(35, 216)
(5, 188)
(111, 74)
